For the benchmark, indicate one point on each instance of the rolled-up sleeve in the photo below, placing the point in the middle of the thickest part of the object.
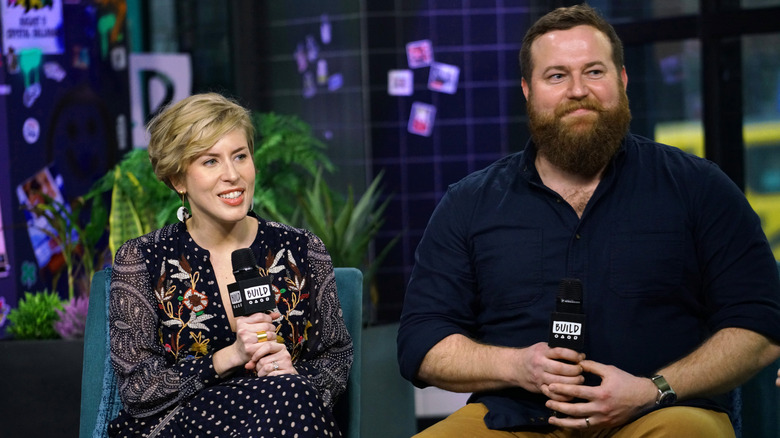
(441, 295)
(740, 274)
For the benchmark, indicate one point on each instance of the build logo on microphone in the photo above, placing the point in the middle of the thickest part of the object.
(566, 330)
(261, 292)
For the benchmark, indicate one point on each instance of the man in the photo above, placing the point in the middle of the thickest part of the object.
(680, 289)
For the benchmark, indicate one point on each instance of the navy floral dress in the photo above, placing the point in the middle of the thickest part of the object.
(167, 320)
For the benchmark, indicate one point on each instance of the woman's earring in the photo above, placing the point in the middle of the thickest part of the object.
(182, 213)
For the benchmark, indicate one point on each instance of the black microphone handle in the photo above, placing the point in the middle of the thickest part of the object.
(567, 322)
(251, 293)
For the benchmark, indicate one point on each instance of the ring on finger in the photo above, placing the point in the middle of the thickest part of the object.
(276, 366)
(587, 423)
(262, 337)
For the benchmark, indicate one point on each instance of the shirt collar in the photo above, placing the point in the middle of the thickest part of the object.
(528, 166)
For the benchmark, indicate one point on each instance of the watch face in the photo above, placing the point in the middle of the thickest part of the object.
(667, 398)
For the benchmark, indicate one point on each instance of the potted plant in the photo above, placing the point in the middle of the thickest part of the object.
(347, 227)
(288, 157)
(140, 203)
(35, 316)
(43, 372)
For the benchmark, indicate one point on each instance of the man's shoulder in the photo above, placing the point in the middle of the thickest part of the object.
(504, 169)
(670, 154)
(649, 145)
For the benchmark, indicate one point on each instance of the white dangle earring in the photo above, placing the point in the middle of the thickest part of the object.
(182, 213)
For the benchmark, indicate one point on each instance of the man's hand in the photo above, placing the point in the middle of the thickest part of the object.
(619, 398)
(460, 364)
(542, 366)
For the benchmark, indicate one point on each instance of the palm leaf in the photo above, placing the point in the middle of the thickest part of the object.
(124, 221)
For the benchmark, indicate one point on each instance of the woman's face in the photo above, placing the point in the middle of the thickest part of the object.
(220, 182)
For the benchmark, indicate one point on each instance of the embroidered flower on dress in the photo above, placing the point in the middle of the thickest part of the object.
(195, 301)
(199, 345)
(173, 304)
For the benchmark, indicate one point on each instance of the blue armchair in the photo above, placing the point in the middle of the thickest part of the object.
(100, 400)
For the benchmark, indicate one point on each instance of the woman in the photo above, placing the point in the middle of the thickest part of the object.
(186, 365)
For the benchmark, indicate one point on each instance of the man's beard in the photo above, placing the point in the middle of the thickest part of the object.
(582, 146)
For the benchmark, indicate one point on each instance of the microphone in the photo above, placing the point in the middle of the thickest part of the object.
(251, 292)
(568, 320)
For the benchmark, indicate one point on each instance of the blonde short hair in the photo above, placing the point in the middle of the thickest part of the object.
(184, 130)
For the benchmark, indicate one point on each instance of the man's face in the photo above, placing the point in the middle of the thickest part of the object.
(577, 104)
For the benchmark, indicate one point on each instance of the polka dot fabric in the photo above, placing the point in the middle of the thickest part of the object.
(167, 320)
(282, 406)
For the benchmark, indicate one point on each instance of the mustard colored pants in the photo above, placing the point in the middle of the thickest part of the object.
(671, 422)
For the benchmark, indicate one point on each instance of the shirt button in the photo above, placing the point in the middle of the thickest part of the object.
(577, 236)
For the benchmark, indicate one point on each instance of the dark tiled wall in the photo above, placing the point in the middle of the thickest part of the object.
(337, 115)
(481, 122)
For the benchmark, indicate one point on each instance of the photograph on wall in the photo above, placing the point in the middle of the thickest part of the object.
(421, 119)
(46, 183)
(5, 267)
(400, 83)
(419, 53)
(35, 26)
(443, 78)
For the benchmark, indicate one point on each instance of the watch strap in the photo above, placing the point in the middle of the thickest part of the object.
(666, 394)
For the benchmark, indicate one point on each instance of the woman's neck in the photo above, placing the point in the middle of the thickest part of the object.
(222, 237)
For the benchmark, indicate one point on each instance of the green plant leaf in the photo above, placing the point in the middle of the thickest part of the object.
(35, 316)
(287, 156)
(124, 220)
(98, 222)
(346, 226)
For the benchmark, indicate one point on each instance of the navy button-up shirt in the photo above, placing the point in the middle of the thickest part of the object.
(668, 251)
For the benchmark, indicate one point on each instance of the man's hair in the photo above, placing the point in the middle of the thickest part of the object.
(184, 130)
(564, 19)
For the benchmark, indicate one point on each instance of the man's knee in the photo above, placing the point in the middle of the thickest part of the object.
(466, 421)
(680, 421)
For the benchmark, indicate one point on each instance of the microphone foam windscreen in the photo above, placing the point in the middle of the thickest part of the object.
(570, 288)
(243, 259)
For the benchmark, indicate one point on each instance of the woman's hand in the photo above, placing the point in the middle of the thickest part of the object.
(256, 337)
(252, 332)
(272, 359)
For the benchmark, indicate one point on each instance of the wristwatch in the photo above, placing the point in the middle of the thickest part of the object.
(666, 395)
